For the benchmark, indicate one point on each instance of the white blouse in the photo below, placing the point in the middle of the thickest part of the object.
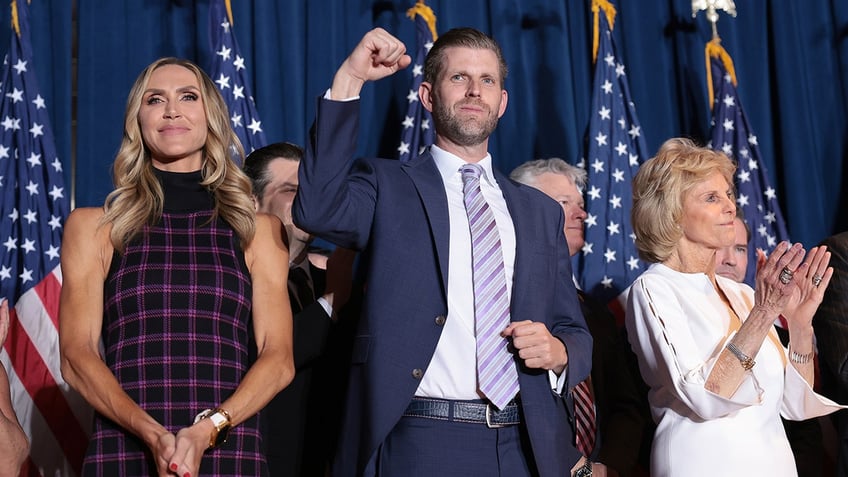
(677, 325)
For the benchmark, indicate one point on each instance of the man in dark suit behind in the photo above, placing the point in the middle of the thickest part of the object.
(296, 435)
(622, 410)
(831, 327)
(414, 405)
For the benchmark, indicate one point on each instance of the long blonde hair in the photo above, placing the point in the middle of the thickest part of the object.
(138, 197)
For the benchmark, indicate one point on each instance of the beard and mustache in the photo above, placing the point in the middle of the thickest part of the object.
(463, 131)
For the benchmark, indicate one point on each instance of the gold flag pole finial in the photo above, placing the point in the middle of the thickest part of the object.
(16, 25)
(229, 11)
(712, 7)
(609, 11)
(420, 8)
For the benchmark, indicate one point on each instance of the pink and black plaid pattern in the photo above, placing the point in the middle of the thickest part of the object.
(496, 373)
(176, 332)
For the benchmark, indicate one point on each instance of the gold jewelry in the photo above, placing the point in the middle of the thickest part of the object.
(743, 358)
(221, 422)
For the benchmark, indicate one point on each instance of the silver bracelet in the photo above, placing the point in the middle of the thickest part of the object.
(800, 358)
(743, 358)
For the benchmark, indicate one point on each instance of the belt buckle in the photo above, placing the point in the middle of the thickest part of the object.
(489, 422)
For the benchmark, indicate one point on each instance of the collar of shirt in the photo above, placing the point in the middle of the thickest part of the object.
(449, 164)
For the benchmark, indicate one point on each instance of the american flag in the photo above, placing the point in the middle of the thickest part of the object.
(733, 135)
(34, 205)
(417, 124)
(609, 262)
(230, 74)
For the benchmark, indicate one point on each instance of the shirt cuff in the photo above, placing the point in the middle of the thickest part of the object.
(326, 306)
(558, 382)
(327, 96)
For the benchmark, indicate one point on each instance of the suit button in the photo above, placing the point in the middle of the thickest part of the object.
(417, 373)
(440, 320)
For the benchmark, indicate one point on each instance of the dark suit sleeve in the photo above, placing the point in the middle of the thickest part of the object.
(311, 327)
(570, 325)
(334, 201)
(831, 320)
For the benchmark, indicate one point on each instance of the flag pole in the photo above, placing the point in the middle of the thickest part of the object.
(713, 48)
(712, 7)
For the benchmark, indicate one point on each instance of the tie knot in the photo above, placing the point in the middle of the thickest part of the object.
(471, 171)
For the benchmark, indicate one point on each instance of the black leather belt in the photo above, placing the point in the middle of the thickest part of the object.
(473, 412)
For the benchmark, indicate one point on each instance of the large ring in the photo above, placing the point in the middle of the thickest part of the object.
(817, 279)
(785, 276)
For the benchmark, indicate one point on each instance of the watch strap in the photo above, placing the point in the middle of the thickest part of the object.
(221, 423)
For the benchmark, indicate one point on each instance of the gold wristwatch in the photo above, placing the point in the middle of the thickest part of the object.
(221, 420)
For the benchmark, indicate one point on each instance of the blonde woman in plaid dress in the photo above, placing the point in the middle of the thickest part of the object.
(180, 278)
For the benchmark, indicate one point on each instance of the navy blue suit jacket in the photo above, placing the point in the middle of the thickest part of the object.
(398, 214)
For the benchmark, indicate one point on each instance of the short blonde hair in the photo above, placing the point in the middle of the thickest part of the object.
(659, 188)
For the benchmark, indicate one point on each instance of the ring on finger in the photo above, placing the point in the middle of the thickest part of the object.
(817, 279)
(785, 276)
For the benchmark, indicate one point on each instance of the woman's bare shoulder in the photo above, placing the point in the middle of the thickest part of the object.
(84, 227)
(84, 216)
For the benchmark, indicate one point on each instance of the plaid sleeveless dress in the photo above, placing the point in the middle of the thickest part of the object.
(176, 331)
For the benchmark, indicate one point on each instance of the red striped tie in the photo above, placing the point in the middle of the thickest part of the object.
(584, 412)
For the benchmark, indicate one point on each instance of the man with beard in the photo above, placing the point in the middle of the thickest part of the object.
(471, 337)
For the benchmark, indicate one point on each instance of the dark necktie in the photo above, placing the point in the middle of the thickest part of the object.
(584, 416)
(496, 373)
(300, 289)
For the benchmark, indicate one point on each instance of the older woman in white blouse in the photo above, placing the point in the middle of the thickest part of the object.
(719, 378)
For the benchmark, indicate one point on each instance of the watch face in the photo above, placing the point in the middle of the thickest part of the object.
(585, 471)
(218, 420)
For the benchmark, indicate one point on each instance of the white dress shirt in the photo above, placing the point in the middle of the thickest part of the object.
(452, 373)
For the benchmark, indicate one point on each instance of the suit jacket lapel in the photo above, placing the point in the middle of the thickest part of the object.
(515, 205)
(431, 190)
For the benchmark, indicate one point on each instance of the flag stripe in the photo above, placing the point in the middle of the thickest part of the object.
(33, 208)
(45, 450)
(49, 290)
(45, 393)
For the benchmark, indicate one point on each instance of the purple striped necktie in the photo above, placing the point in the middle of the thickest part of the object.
(496, 373)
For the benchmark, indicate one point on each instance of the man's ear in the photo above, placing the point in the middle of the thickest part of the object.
(425, 91)
(255, 201)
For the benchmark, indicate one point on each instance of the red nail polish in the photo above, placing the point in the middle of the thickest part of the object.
(174, 467)
(187, 474)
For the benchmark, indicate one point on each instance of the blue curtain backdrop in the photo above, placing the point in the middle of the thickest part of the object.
(791, 60)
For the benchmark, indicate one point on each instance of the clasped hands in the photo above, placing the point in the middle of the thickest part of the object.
(180, 454)
(792, 282)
